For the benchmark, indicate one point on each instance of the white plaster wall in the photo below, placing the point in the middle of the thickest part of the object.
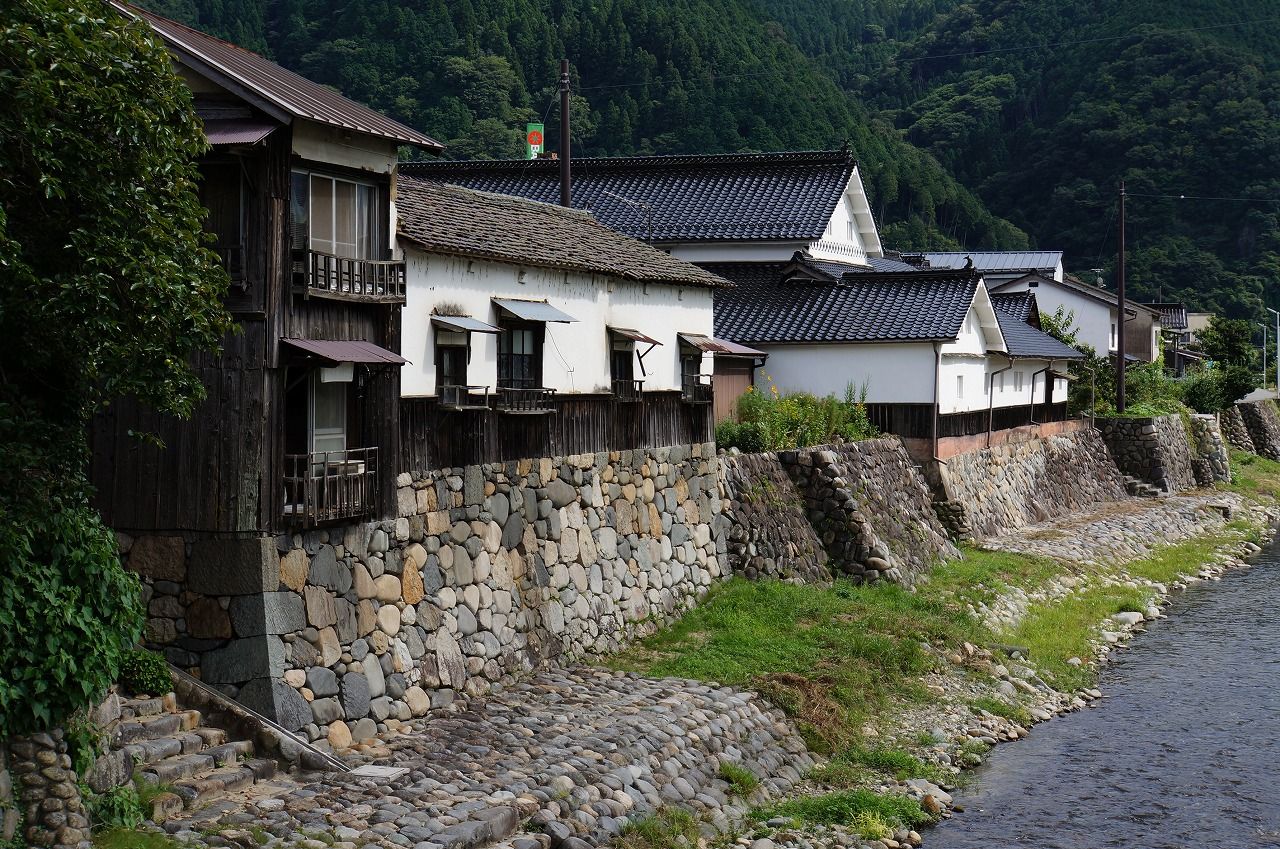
(837, 243)
(894, 373)
(962, 386)
(1004, 386)
(575, 356)
(1092, 319)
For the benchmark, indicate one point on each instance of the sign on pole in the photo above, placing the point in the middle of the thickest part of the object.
(533, 141)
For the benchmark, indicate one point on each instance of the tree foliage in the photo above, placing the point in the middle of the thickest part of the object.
(106, 288)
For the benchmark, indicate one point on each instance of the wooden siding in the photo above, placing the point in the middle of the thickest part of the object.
(732, 378)
(916, 420)
(432, 437)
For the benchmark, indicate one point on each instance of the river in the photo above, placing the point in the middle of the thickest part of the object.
(1183, 751)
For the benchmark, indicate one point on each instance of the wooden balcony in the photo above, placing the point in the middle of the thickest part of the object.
(535, 401)
(328, 486)
(465, 397)
(628, 391)
(321, 275)
(696, 389)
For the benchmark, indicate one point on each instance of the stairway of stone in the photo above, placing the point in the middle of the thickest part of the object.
(182, 751)
(1140, 488)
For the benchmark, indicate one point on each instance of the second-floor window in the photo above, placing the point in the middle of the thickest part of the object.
(520, 355)
(451, 357)
(337, 216)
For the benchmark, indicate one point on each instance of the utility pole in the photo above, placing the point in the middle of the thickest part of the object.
(1277, 359)
(566, 188)
(1120, 364)
(1264, 356)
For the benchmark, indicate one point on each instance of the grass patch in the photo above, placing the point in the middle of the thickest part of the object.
(1009, 710)
(855, 808)
(667, 828)
(1253, 476)
(742, 781)
(127, 838)
(981, 576)
(828, 656)
(1171, 562)
(857, 764)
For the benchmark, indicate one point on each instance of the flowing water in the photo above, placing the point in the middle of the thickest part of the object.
(1184, 751)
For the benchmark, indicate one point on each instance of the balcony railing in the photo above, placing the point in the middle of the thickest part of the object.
(328, 485)
(456, 397)
(534, 401)
(696, 389)
(628, 391)
(328, 276)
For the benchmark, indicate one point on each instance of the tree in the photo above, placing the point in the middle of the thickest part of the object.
(1228, 341)
(106, 289)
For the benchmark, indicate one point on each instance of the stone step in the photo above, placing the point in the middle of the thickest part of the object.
(155, 727)
(228, 754)
(131, 708)
(198, 791)
(179, 767)
(146, 752)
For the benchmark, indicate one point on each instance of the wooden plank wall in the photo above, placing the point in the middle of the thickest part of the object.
(434, 438)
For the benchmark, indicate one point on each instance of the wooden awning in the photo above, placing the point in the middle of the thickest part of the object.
(346, 351)
(723, 347)
(633, 335)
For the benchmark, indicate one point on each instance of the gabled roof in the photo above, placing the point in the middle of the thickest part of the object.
(724, 197)
(999, 262)
(1021, 339)
(764, 308)
(462, 222)
(1173, 316)
(1073, 284)
(279, 92)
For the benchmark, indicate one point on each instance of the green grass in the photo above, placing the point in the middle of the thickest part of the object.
(981, 576)
(830, 657)
(667, 828)
(127, 838)
(742, 781)
(857, 765)
(1253, 476)
(998, 707)
(849, 808)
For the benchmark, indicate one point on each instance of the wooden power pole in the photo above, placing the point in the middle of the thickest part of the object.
(1120, 312)
(566, 187)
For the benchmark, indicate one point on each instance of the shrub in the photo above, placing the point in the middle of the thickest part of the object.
(1237, 382)
(1202, 391)
(772, 421)
(142, 671)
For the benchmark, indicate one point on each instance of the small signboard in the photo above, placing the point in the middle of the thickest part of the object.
(533, 142)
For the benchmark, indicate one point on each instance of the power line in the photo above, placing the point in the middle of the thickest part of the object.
(1205, 197)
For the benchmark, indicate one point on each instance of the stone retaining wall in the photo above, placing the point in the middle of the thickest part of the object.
(871, 508)
(1233, 428)
(487, 572)
(1262, 420)
(1156, 450)
(1211, 462)
(39, 794)
(1010, 486)
(767, 532)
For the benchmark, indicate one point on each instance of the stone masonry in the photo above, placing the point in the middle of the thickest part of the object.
(1017, 484)
(768, 534)
(487, 572)
(871, 508)
(1211, 461)
(44, 786)
(1262, 420)
(1156, 450)
(1233, 428)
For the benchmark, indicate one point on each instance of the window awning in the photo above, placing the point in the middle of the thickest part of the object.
(346, 351)
(712, 345)
(463, 323)
(533, 310)
(229, 132)
(633, 335)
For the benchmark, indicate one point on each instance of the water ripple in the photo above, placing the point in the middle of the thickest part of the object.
(1184, 751)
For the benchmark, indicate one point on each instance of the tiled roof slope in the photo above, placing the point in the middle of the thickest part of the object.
(728, 197)
(454, 220)
(999, 261)
(1023, 340)
(762, 308)
(1020, 305)
(282, 90)
(1173, 316)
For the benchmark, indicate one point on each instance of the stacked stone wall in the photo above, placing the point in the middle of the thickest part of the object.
(487, 572)
(1211, 463)
(871, 508)
(40, 801)
(1017, 484)
(764, 524)
(1156, 450)
(1262, 420)
(1234, 430)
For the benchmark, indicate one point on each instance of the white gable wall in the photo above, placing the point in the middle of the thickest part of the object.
(894, 373)
(1093, 319)
(575, 356)
(851, 234)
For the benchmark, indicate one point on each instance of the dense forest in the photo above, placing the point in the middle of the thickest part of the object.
(984, 124)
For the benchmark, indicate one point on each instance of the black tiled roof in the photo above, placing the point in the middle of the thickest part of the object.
(764, 307)
(728, 197)
(1020, 305)
(1173, 316)
(454, 220)
(1023, 340)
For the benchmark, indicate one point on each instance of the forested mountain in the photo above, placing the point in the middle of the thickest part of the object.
(1038, 107)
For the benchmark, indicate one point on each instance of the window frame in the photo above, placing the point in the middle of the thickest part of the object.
(375, 220)
(507, 358)
(451, 345)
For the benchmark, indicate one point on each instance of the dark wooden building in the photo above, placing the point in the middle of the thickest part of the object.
(301, 421)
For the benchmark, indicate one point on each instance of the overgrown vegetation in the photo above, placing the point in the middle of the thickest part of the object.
(666, 828)
(742, 781)
(769, 420)
(873, 815)
(106, 289)
(129, 838)
(145, 672)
